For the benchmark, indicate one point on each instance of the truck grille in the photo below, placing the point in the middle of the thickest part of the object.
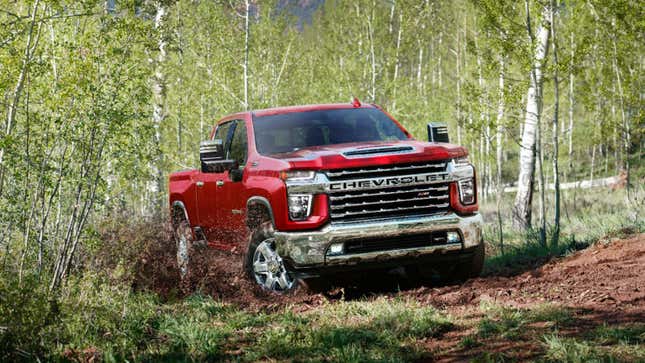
(391, 201)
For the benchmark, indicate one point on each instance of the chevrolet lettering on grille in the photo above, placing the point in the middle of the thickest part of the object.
(388, 182)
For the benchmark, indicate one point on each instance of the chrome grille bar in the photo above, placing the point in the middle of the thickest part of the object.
(364, 193)
(386, 201)
(385, 210)
(388, 192)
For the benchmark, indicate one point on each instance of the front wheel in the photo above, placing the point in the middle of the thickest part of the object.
(474, 266)
(263, 263)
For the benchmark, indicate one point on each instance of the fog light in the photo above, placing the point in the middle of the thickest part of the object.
(453, 237)
(467, 191)
(299, 206)
(335, 249)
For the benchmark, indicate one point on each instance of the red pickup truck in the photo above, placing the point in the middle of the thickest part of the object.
(315, 192)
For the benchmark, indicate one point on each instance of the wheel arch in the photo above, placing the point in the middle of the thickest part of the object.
(255, 206)
(179, 211)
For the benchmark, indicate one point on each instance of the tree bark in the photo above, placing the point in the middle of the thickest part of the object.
(158, 107)
(499, 151)
(524, 197)
(372, 57)
(247, 14)
(571, 105)
(556, 110)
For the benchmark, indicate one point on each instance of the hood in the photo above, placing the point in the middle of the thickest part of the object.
(369, 153)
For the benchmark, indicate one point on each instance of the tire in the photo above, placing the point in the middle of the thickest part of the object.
(189, 257)
(472, 268)
(263, 264)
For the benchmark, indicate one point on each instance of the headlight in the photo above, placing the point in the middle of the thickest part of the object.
(299, 206)
(467, 191)
(297, 175)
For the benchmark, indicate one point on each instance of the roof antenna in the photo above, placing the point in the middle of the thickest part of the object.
(356, 103)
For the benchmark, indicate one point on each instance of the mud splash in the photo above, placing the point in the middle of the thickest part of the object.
(608, 275)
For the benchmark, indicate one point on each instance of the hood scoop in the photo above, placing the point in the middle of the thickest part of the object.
(378, 151)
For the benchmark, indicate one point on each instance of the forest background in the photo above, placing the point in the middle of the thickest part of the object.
(101, 100)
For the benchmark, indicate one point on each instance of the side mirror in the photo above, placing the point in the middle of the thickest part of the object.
(211, 155)
(236, 174)
(438, 132)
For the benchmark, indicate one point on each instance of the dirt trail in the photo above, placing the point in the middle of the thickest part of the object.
(603, 284)
(609, 275)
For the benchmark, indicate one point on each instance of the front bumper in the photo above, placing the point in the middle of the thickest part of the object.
(307, 250)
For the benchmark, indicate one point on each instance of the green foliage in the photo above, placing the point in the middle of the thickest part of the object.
(91, 314)
(81, 149)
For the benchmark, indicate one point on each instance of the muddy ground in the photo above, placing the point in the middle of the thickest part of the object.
(602, 284)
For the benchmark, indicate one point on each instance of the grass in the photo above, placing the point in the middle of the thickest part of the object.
(597, 216)
(576, 350)
(93, 317)
(551, 331)
(512, 323)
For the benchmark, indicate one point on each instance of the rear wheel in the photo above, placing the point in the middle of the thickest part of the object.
(190, 256)
(184, 243)
(263, 263)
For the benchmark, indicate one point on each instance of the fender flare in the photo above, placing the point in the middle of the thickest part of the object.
(261, 201)
(180, 205)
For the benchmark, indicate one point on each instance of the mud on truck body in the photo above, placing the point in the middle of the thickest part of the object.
(317, 192)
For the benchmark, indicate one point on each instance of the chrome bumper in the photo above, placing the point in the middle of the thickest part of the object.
(308, 249)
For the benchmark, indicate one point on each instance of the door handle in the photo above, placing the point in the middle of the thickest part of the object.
(200, 184)
(219, 183)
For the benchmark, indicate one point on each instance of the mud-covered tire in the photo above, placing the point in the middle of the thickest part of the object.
(473, 267)
(189, 261)
(264, 265)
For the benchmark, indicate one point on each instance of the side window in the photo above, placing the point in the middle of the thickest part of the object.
(239, 143)
(222, 132)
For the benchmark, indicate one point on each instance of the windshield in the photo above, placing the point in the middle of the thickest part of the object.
(293, 131)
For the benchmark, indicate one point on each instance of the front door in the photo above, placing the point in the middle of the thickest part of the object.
(232, 194)
(209, 200)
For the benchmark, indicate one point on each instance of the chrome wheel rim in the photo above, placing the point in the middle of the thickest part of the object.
(182, 252)
(268, 268)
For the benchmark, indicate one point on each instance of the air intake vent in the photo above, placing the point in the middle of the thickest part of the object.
(379, 150)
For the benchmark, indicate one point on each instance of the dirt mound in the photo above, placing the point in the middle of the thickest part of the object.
(609, 274)
(216, 273)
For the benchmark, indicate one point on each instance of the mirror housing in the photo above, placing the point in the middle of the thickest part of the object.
(438, 132)
(212, 158)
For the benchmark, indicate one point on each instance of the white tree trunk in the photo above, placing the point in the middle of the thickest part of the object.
(397, 61)
(556, 111)
(246, 54)
(525, 180)
(571, 106)
(499, 136)
(158, 109)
